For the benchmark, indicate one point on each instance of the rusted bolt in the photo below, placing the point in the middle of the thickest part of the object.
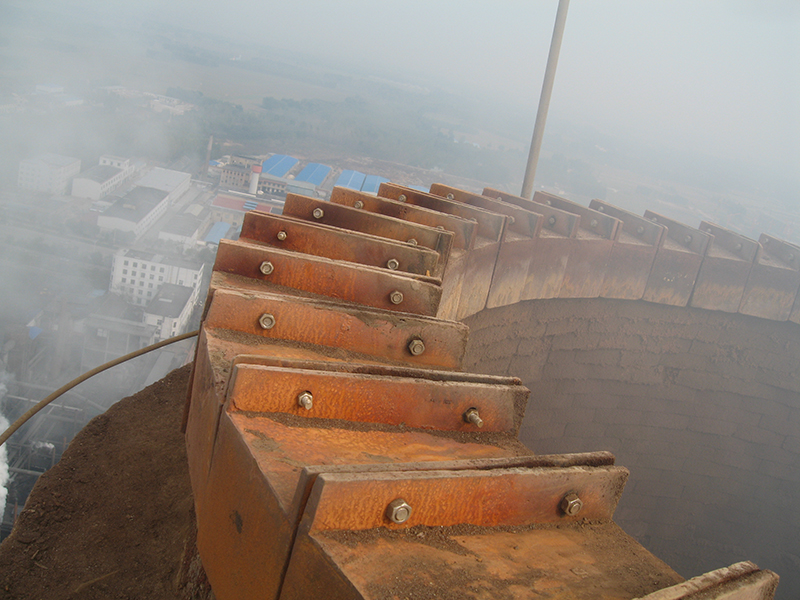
(593, 223)
(267, 321)
(450, 196)
(398, 511)
(571, 505)
(687, 240)
(281, 235)
(412, 241)
(472, 416)
(306, 400)
(318, 213)
(551, 221)
(416, 347)
(393, 264)
(396, 297)
(266, 267)
(358, 204)
(402, 198)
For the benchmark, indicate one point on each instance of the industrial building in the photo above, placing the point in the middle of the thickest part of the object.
(50, 173)
(103, 178)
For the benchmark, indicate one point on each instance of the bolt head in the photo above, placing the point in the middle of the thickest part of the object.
(267, 321)
(416, 347)
(640, 230)
(451, 196)
(358, 204)
(571, 505)
(412, 241)
(472, 416)
(687, 240)
(551, 221)
(266, 267)
(281, 235)
(398, 511)
(305, 400)
(402, 198)
(318, 213)
(393, 264)
(593, 223)
(396, 297)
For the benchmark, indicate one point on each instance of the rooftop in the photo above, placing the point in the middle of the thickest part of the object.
(164, 179)
(136, 204)
(169, 301)
(99, 173)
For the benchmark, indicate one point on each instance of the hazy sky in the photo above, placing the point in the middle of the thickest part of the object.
(719, 77)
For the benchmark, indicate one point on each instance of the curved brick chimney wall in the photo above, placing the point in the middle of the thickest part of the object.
(676, 348)
(703, 407)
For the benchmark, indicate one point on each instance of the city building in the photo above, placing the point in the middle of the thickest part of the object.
(135, 212)
(174, 183)
(138, 275)
(182, 229)
(50, 173)
(103, 178)
(231, 207)
(170, 310)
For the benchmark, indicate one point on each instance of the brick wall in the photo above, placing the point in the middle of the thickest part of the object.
(702, 406)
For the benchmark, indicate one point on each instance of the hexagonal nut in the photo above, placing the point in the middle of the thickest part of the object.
(571, 505)
(398, 511)
(416, 347)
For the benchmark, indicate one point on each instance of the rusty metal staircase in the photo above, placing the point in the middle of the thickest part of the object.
(338, 451)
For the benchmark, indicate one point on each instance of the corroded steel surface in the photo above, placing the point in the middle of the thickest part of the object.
(338, 244)
(335, 450)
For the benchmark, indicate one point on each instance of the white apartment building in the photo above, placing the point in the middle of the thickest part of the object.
(51, 173)
(138, 275)
(170, 310)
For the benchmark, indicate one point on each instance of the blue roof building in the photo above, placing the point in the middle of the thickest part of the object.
(313, 173)
(217, 232)
(351, 179)
(372, 183)
(278, 165)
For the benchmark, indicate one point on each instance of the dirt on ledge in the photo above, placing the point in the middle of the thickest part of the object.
(114, 519)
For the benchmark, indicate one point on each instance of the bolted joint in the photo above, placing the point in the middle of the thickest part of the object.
(398, 511)
(402, 198)
(318, 213)
(358, 204)
(393, 264)
(571, 505)
(416, 347)
(281, 236)
(472, 416)
(266, 267)
(396, 297)
(266, 321)
(305, 400)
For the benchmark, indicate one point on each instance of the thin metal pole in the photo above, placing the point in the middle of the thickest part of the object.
(544, 100)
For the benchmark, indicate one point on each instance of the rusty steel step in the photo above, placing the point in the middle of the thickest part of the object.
(335, 448)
